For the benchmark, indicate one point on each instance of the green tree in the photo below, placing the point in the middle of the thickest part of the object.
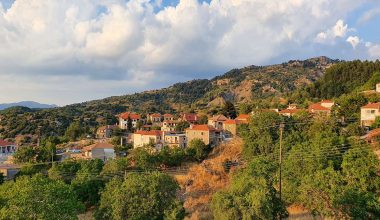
(64, 171)
(38, 198)
(74, 131)
(181, 126)
(141, 196)
(229, 110)
(251, 194)
(88, 182)
(129, 124)
(202, 120)
(197, 149)
(115, 168)
(2, 178)
(245, 108)
(25, 155)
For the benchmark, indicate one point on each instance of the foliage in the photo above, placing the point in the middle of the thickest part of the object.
(141, 196)
(248, 197)
(87, 182)
(181, 126)
(202, 120)
(64, 171)
(115, 168)
(38, 198)
(2, 178)
(197, 149)
(229, 110)
(74, 131)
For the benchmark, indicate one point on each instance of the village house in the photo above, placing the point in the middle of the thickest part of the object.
(207, 133)
(105, 131)
(141, 138)
(155, 118)
(189, 117)
(290, 111)
(323, 107)
(103, 151)
(368, 114)
(168, 117)
(123, 120)
(230, 126)
(7, 147)
(9, 171)
(217, 121)
(169, 125)
(173, 140)
(242, 119)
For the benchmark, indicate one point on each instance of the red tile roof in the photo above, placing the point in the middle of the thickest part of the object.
(99, 146)
(230, 122)
(318, 107)
(190, 117)
(219, 118)
(168, 115)
(373, 133)
(242, 117)
(372, 105)
(201, 128)
(155, 115)
(150, 133)
(133, 116)
(4, 143)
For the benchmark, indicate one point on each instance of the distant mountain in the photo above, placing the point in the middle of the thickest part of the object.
(29, 104)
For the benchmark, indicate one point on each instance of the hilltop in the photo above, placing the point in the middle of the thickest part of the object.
(238, 86)
(28, 104)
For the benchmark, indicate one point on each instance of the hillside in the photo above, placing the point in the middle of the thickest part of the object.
(238, 85)
(28, 104)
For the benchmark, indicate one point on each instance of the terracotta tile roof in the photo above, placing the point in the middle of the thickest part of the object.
(318, 107)
(373, 133)
(290, 111)
(168, 115)
(242, 117)
(230, 122)
(189, 117)
(125, 115)
(219, 118)
(4, 143)
(201, 128)
(372, 105)
(99, 146)
(155, 115)
(150, 133)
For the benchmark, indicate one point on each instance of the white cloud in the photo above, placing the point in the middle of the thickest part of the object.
(133, 41)
(353, 40)
(368, 15)
(374, 51)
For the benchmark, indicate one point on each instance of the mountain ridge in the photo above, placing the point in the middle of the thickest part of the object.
(28, 104)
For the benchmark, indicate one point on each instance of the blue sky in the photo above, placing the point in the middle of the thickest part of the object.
(71, 51)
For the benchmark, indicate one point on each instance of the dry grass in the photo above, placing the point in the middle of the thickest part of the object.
(204, 179)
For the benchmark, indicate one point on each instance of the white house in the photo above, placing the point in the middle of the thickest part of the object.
(368, 114)
(123, 119)
(175, 140)
(141, 138)
(103, 151)
(7, 147)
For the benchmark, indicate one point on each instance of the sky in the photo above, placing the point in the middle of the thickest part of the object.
(70, 51)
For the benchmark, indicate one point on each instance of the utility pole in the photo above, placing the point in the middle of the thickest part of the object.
(282, 125)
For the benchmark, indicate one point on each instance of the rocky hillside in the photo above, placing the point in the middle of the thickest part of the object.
(237, 85)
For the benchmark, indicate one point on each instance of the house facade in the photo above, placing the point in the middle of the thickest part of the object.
(105, 131)
(189, 117)
(208, 134)
(368, 114)
(323, 107)
(169, 125)
(168, 117)
(7, 147)
(9, 170)
(175, 140)
(103, 151)
(230, 126)
(155, 118)
(124, 117)
(141, 138)
(217, 121)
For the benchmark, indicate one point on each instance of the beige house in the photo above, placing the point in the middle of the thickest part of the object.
(323, 107)
(105, 131)
(208, 134)
(155, 118)
(103, 151)
(7, 147)
(175, 140)
(168, 117)
(123, 119)
(217, 121)
(368, 114)
(169, 125)
(230, 126)
(141, 138)
(242, 119)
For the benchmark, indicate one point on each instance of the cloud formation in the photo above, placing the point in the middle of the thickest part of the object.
(140, 44)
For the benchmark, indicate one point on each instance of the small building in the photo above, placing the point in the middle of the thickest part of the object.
(217, 121)
(9, 170)
(372, 137)
(105, 131)
(189, 117)
(168, 117)
(7, 147)
(378, 87)
(289, 112)
(207, 133)
(242, 119)
(169, 125)
(103, 151)
(368, 114)
(141, 138)
(155, 118)
(124, 117)
(175, 140)
(323, 107)
(230, 126)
